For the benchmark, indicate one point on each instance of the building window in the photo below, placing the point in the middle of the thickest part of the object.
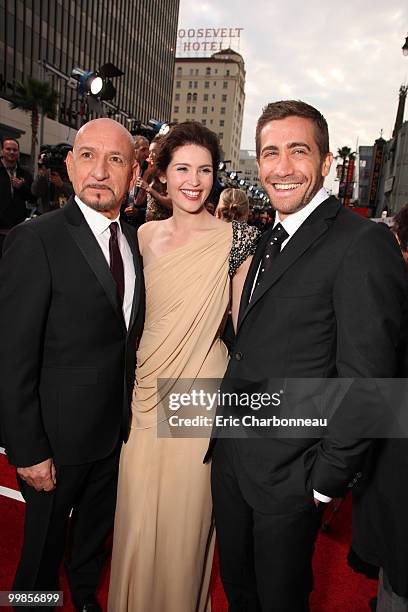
(208, 70)
(205, 98)
(211, 121)
(188, 110)
(222, 122)
(222, 110)
(212, 109)
(190, 84)
(216, 71)
(225, 85)
(227, 73)
(176, 109)
(189, 97)
(179, 70)
(213, 96)
(191, 71)
(220, 135)
(177, 97)
(204, 121)
(195, 84)
(224, 97)
(194, 97)
(205, 110)
(206, 84)
(196, 71)
(178, 84)
(193, 108)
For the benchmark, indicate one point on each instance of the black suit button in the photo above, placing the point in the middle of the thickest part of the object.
(238, 356)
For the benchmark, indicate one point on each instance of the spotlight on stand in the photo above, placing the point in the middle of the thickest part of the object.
(222, 166)
(160, 127)
(149, 131)
(96, 83)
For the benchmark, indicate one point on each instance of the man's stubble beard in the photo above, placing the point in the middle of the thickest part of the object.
(96, 204)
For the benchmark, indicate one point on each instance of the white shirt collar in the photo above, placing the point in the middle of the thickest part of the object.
(96, 220)
(295, 220)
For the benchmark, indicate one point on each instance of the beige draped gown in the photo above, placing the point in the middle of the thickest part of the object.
(164, 537)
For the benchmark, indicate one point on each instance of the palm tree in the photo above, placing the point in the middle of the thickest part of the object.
(344, 153)
(35, 97)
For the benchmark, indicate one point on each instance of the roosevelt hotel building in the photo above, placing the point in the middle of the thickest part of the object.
(212, 90)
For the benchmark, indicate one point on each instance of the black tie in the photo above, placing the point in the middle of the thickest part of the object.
(116, 261)
(272, 250)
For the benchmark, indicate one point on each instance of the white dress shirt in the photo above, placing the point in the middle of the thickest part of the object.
(99, 225)
(291, 224)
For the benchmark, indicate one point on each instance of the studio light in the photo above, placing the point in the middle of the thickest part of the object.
(97, 83)
(160, 127)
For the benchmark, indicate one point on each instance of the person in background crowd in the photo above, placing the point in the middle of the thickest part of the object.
(380, 502)
(210, 206)
(256, 220)
(267, 219)
(52, 188)
(134, 208)
(323, 299)
(15, 188)
(158, 205)
(400, 229)
(141, 148)
(71, 310)
(163, 537)
(233, 205)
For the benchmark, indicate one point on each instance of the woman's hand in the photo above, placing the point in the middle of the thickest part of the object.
(142, 184)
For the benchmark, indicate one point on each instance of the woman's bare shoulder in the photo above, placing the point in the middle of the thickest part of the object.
(147, 231)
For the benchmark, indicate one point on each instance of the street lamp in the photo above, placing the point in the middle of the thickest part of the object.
(405, 47)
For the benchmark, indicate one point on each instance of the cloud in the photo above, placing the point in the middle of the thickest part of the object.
(345, 58)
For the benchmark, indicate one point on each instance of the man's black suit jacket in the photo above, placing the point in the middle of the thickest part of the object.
(330, 306)
(67, 360)
(13, 203)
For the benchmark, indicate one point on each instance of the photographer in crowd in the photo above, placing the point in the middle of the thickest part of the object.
(15, 188)
(52, 186)
(158, 204)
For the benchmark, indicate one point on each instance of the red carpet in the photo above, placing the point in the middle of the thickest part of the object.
(337, 588)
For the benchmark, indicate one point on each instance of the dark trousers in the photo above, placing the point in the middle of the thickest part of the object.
(265, 558)
(90, 491)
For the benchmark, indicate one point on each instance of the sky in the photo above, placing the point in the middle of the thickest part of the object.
(344, 58)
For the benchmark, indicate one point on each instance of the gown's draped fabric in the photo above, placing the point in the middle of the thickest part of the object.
(164, 538)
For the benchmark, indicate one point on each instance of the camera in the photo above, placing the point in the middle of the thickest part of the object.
(53, 157)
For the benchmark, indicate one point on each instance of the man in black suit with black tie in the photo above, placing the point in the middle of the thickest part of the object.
(71, 310)
(323, 299)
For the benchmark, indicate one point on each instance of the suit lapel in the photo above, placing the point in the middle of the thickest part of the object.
(311, 230)
(130, 234)
(88, 245)
(249, 281)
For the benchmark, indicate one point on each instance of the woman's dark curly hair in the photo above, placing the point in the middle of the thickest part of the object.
(188, 132)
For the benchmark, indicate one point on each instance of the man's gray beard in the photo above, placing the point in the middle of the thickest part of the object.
(100, 206)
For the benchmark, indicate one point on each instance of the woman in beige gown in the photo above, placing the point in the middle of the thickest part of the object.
(164, 536)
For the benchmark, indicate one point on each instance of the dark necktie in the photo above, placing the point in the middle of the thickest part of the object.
(272, 250)
(116, 261)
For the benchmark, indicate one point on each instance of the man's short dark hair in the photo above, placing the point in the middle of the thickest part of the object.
(5, 138)
(294, 108)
